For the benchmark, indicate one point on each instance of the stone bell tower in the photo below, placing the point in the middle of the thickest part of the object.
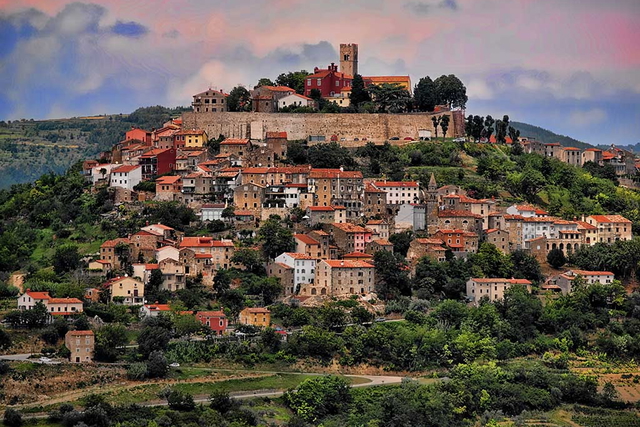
(349, 59)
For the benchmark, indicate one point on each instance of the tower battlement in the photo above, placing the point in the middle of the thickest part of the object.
(349, 58)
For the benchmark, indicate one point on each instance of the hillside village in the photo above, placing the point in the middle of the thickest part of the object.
(340, 218)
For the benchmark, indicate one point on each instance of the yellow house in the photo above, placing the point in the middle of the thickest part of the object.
(127, 290)
(194, 138)
(255, 317)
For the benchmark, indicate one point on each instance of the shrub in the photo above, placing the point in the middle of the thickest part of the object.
(12, 418)
(157, 365)
(137, 371)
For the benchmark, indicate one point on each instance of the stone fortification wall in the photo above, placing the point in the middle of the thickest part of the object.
(347, 127)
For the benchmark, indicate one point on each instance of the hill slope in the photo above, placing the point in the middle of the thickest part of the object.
(547, 136)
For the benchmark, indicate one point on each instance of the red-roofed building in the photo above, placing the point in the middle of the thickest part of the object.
(168, 188)
(421, 247)
(610, 228)
(492, 289)
(458, 240)
(137, 134)
(216, 321)
(566, 280)
(157, 162)
(54, 306)
(341, 278)
(336, 187)
(350, 237)
(265, 99)
(81, 345)
(221, 251)
(238, 147)
(126, 176)
(463, 219)
(190, 139)
(498, 238)
(329, 82)
(304, 268)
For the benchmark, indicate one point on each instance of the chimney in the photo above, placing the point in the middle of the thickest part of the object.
(315, 70)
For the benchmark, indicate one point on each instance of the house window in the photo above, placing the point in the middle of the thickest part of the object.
(318, 82)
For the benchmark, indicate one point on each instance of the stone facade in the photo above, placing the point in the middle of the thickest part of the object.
(373, 127)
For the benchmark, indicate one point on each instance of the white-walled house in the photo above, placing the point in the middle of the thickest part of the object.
(295, 100)
(304, 267)
(55, 306)
(127, 176)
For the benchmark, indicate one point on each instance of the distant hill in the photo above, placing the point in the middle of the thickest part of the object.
(546, 136)
(635, 148)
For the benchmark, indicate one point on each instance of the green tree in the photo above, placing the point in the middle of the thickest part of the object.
(12, 418)
(250, 259)
(155, 283)
(295, 80)
(275, 238)
(488, 127)
(297, 153)
(390, 98)
(110, 341)
(332, 317)
(444, 125)
(526, 266)
(5, 339)
(239, 99)
(153, 338)
(401, 242)
(436, 123)
(451, 91)
(425, 94)
(358, 94)
(220, 401)
(556, 258)
(264, 82)
(65, 258)
(361, 315)
(330, 156)
(492, 262)
(514, 134)
(316, 398)
(392, 278)
(157, 366)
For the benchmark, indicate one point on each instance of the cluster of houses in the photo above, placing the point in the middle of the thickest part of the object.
(623, 162)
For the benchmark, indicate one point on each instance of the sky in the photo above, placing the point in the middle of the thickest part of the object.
(571, 66)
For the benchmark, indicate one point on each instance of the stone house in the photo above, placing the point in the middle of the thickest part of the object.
(350, 237)
(211, 100)
(250, 197)
(498, 238)
(422, 247)
(493, 289)
(81, 345)
(341, 278)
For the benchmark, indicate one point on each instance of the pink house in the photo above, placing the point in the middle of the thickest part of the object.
(215, 320)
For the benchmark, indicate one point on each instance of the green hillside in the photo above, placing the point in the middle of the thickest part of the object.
(547, 136)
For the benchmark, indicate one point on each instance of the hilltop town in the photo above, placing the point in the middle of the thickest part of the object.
(304, 227)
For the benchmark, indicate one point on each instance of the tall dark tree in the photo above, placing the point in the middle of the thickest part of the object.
(358, 92)
(264, 82)
(514, 134)
(556, 258)
(66, 258)
(425, 94)
(444, 125)
(390, 98)
(488, 127)
(436, 123)
(239, 99)
(392, 277)
(275, 238)
(451, 91)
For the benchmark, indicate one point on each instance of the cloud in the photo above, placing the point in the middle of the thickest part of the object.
(129, 29)
(426, 7)
(587, 118)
